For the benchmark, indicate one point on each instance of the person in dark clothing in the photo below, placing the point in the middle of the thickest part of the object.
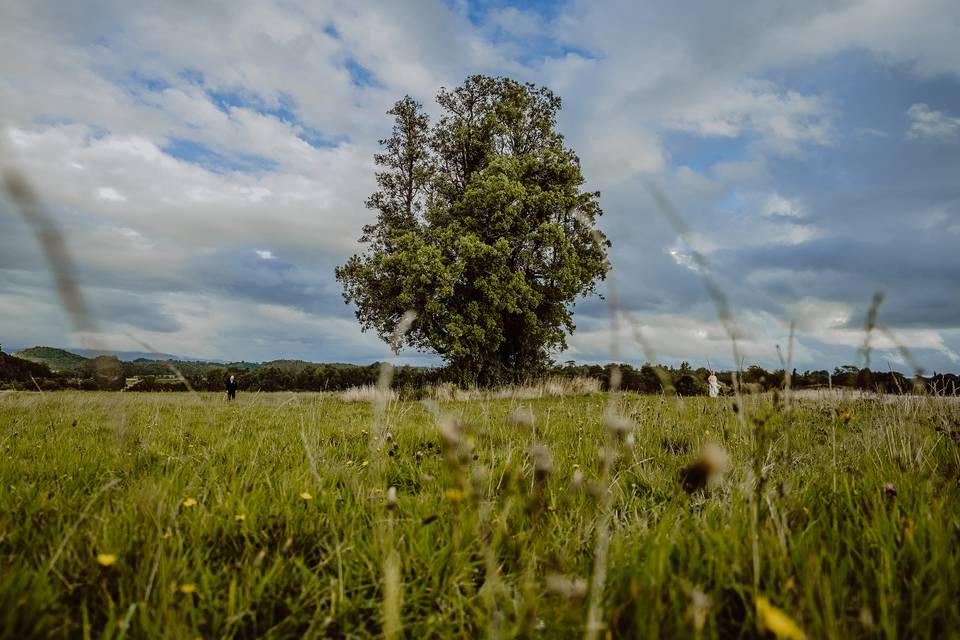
(232, 388)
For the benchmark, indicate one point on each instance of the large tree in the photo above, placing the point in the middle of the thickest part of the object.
(482, 229)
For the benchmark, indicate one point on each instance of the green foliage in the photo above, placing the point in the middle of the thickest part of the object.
(105, 371)
(21, 370)
(840, 552)
(56, 359)
(482, 229)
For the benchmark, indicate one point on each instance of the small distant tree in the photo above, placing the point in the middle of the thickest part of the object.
(482, 229)
(105, 371)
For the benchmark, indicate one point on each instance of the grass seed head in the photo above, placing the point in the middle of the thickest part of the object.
(450, 432)
(700, 604)
(709, 466)
(716, 458)
(573, 588)
(866, 618)
(392, 498)
(618, 425)
(523, 418)
(576, 480)
(542, 463)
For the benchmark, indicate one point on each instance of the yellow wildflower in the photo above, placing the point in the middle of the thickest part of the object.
(777, 621)
(306, 496)
(365, 463)
(188, 587)
(189, 502)
(240, 517)
(106, 559)
(455, 495)
(846, 417)
(349, 462)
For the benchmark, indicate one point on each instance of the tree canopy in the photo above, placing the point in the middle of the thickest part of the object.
(482, 229)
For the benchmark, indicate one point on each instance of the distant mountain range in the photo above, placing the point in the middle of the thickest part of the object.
(130, 356)
(63, 360)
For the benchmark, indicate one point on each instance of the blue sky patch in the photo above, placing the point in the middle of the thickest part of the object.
(202, 155)
(478, 10)
(138, 80)
(191, 76)
(316, 138)
(360, 75)
(700, 153)
(282, 108)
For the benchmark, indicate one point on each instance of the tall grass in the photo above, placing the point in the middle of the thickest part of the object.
(446, 392)
(494, 516)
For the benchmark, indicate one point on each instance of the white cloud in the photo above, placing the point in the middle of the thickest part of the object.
(694, 337)
(684, 259)
(930, 123)
(320, 207)
(516, 22)
(777, 205)
(92, 116)
(110, 194)
(615, 152)
(784, 119)
(829, 322)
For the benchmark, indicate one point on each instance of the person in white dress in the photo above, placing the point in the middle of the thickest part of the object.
(714, 384)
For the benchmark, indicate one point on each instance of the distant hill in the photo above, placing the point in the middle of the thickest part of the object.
(14, 369)
(144, 363)
(130, 356)
(56, 359)
(292, 366)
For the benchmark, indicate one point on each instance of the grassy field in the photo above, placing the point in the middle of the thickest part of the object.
(178, 515)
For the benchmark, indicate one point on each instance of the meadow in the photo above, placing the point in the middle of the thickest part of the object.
(180, 515)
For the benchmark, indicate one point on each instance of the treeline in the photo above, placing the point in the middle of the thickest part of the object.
(687, 381)
(318, 377)
(107, 373)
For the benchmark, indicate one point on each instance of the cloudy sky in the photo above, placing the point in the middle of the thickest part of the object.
(209, 163)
